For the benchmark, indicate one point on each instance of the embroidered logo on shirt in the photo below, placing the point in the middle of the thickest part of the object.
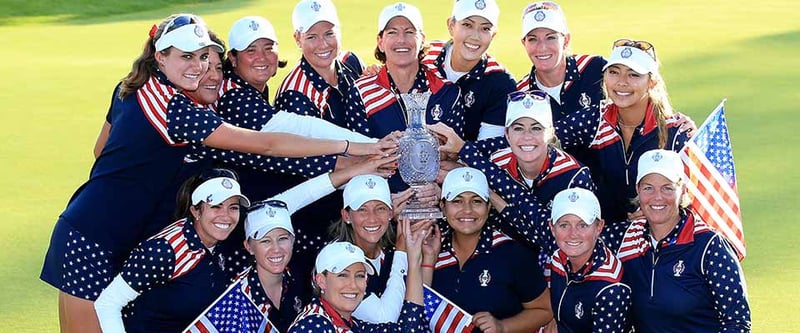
(678, 269)
(298, 305)
(585, 101)
(469, 99)
(222, 263)
(579, 310)
(485, 278)
(436, 112)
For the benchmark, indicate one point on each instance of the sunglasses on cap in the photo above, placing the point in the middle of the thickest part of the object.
(179, 21)
(218, 173)
(267, 203)
(516, 96)
(645, 46)
(544, 5)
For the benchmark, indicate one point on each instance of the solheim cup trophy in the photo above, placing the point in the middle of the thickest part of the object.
(419, 156)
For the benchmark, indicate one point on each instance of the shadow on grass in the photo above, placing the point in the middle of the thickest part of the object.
(78, 12)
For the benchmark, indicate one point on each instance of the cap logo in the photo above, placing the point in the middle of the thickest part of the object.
(198, 31)
(480, 4)
(573, 197)
(253, 25)
(467, 176)
(315, 6)
(226, 183)
(399, 7)
(626, 53)
(527, 103)
(539, 16)
(370, 183)
(350, 248)
(270, 212)
(657, 157)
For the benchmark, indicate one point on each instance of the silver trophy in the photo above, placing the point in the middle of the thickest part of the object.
(419, 156)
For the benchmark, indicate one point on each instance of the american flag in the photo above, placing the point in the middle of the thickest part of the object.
(708, 161)
(233, 312)
(444, 316)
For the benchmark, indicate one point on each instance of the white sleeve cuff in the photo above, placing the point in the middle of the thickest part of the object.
(110, 303)
(487, 131)
(306, 192)
(312, 127)
(400, 263)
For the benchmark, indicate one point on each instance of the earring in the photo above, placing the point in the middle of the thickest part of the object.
(322, 291)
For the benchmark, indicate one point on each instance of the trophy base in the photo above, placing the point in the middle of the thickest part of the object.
(421, 213)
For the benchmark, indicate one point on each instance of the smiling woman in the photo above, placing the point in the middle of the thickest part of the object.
(174, 275)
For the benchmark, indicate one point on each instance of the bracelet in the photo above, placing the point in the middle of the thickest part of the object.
(427, 266)
(346, 148)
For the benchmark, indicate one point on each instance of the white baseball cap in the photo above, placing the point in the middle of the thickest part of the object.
(364, 188)
(216, 190)
(248, 29)
(487, 9)
(187, 33)
(534, 105)
(543, 14)
(639, 61)
(337, 256)
(400, 9)
(308, 12)
(577, 201)
(266, 216)
(465, 179)
(663, 162)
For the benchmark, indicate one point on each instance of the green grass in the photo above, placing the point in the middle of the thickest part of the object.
(63, 58)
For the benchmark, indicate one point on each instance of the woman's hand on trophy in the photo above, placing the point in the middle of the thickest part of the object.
(393, 137)
(399, 202)
(451, 143)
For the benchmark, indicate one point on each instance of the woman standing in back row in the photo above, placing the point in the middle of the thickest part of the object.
(483, 81)
(153, 126)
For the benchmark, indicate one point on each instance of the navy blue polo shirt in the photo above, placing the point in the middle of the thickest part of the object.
(613, 166)
(484, 90)
(319, 318)
(527, 217)
(376, 108)
(593, 298)
(582, 87)
(497, 278)
(291, 302)
(177, 278)
(690, 282)
(151, 131)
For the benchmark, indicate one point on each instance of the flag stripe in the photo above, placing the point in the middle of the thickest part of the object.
(714, 196)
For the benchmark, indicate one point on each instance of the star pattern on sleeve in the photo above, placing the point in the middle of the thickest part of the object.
(151, 264)
(725, 279)
(189, 123)
(611, 308)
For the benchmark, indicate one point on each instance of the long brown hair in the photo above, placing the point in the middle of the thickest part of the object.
(343, 231)
(145, 65)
